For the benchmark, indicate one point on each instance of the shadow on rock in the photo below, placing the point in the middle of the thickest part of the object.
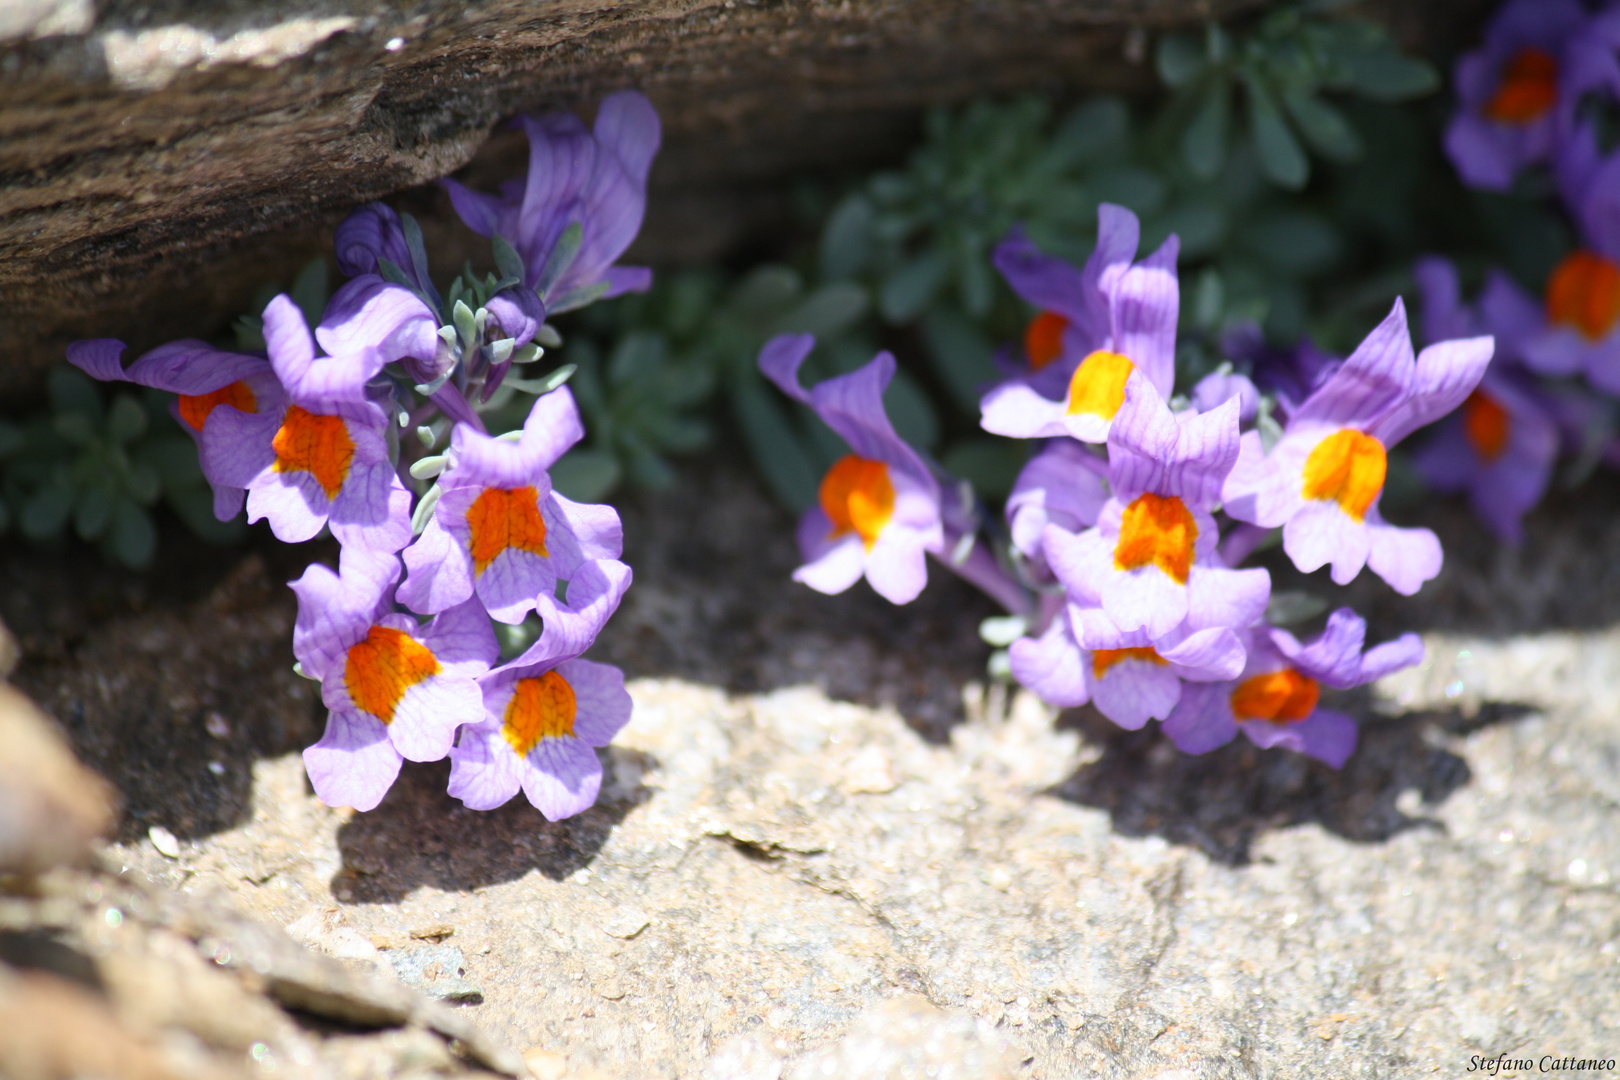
(421, 836)
(1221, 801)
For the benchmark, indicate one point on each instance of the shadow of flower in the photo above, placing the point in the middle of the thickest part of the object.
(1221, 801)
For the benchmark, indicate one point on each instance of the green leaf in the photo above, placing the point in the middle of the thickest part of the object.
(990, 465)
(143, 484)
(46, 511)
(910, 411)
(249, 333)
(962, 355)
(92, 512)
(908, 290)
(1093, 131)
(132, 540)
(310, 290)
(637, 356)
(1281, 157)
(74, 428)
(418, 249)
(1203, 143)
(1141, 190)
(72, 391)
(829, 310)
(783, 460)
(1179, 59)
(1201, 225)
(507, 261)
(761, 297)
(1323, 126)
(586, 475)
(573, 299)
(1386, 75)
(126, 420)
(174, 459)
(1297, 242)
(846, 239)
(558, 262)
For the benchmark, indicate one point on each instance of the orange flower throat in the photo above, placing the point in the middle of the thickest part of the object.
(858, 496)
(194, 408)
(1103, 659)
(379, 670)
(1043, 338)
(1529, 87)
(1584, 292)
(542, 708)
(503, 518)
(1159, 531)
(1281, 697)
(1347, 467)
(317, 444)
(1486, 425)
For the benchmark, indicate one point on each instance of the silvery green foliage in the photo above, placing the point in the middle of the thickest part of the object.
(98, 467)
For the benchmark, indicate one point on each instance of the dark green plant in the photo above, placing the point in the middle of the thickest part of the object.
(99, 467)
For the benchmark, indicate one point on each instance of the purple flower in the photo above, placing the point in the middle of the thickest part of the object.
(1217, 387)
(1118, 322)
(597, 179)
(1289, 374)
(1501, 444)
(1154, 545)
(395, 689)
(209, 384)
(1323, 479)
(320, 458)
(370, 315)
(370, 234)
(1130, 676)
(879, 507)
(1509, 91)
(544, 715)
(1274, 700)
(500, 532)
(1062, 485)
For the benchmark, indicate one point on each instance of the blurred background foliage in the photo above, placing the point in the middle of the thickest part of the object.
(1296, 154)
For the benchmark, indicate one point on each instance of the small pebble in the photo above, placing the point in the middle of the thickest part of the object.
(627, 923)
(164, 841)
(217, 726)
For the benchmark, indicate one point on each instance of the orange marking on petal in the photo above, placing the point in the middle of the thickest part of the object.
(1529, 87)
(1103, 659)
(504, 518)
(1097, 386)
(542, 708)
(858, 496)
(1584, 292)
(1486, 425)
(381, 668)
(1348, 467)
(1281, 697)
(317, 444)
(1157, 530)
(1043, 338)
(194, 408)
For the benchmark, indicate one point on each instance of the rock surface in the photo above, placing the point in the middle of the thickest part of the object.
(826, 841)
(160, 162)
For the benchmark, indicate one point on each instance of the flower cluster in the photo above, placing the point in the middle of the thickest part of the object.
(1131, 592)
(1540, 94)
(308, 436)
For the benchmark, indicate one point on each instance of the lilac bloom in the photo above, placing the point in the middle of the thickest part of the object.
(1509, 90)
(879, 507)
(1062, 485)
(321, 458)
(370, 234)
(1122, 316)
(209, 384)
(1154, 544)
(1501, 444)
(544, 715)
(370, 314)
(1323, 480)
(1132, 677)
(1274, 700)
(395, 689)
(596, 178)
(499, 531)
(1215, 388)
(1289, 375)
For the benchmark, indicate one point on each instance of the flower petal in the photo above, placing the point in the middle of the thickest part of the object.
(354, 764)
(562, 777)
